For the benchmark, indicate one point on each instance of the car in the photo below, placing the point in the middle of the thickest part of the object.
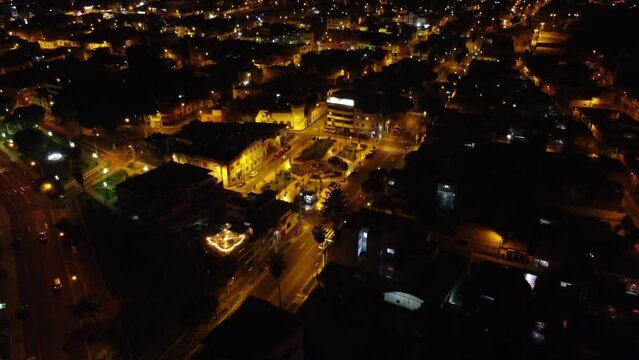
(57, 284)
(253, 174)
(43, 236)
(286, 147)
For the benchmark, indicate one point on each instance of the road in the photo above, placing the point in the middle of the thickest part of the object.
(50, 331)
(303, 259)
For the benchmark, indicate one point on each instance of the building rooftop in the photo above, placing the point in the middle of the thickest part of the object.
(164, 178)
(222, 141)
(257, 324)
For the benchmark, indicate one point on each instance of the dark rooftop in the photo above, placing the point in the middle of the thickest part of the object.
(163, 178)
(222, 141)
(258, 324)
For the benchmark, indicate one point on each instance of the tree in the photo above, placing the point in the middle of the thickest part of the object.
(276, 266)
(29, 142)
(85, 307)
(78, 176)
(319, 234)
(7, 103)
(27, 117)
(334, 206)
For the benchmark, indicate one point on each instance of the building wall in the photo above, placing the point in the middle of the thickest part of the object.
(365, 123)
(54, 44)
(295, 118)
(340, 118)
(176, 114)
(238, 169)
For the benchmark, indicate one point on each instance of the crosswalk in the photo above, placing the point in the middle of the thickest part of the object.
(20, 189)
(392, 149)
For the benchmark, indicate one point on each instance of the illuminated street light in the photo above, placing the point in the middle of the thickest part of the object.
(54, 156)
(94, 155)
(32, 163)
(50, 133)
(46, 186)
(74, 278)
(57, 177)
(72, 144)
(105, 171)
(145, 168)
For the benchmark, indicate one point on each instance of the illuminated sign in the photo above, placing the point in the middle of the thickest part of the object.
(226, 240)
(338, 101)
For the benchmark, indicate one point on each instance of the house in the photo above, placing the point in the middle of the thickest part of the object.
(267, 331)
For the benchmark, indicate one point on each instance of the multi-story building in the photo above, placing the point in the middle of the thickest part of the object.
(229, 150)
(350, 116)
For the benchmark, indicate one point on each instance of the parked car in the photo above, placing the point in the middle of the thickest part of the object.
(253, 174)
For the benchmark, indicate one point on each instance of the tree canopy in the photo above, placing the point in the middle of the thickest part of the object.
(7, 103)
(30, 142)
(335, 207)
(26, 117)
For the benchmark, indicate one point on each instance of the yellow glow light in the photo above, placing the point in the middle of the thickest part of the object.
(226, 241)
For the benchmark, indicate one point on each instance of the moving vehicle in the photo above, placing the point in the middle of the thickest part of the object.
(43, 236)
(253, 174)
(57, 284)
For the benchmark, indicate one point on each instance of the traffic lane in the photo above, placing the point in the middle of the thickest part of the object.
(300, 266)
(37, 265)
(49, 309)
(306, 253)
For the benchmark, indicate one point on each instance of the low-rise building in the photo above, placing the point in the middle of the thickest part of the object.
(295, 116)
(229, 150)
(176, 114)
(167, 192)
(265, 211)
(273, 334)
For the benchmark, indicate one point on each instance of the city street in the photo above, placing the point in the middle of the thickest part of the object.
(303, 259)
(50, 331)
